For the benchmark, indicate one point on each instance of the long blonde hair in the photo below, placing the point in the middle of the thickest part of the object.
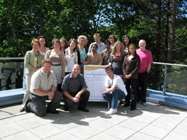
(121, 49)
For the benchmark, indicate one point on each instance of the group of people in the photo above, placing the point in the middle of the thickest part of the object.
(53, 74)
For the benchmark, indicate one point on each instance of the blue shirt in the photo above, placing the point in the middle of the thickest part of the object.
(101, 47)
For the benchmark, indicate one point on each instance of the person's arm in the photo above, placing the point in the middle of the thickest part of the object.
(90, 49)
(68, 95)
(63, 64)
(149, 67)
(65, 92)
(50, 94)
(150, 61)
(124, 67)
(78, 95)
(88, 59)
(27, 59)
(83, 87)
(110, 89)
(100, 59)
(137, 66)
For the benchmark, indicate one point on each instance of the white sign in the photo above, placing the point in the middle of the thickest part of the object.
(95, 76)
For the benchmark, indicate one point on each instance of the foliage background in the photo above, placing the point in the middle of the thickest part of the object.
(162, 23)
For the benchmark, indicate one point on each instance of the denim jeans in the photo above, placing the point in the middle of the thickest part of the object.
(113, 97)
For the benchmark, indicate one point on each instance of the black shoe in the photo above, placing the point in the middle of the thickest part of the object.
(65, 108)
(84, 110)
(126, 104)
(53, 112)
(132, 108)
(21, 110)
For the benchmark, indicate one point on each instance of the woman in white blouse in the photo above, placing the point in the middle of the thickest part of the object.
(72, 56)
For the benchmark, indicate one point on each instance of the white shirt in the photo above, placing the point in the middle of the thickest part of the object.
(116, 81)
(40, 80)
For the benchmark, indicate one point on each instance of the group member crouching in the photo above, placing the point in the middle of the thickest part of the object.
(44, 87)
(115, 90)
(74, 89)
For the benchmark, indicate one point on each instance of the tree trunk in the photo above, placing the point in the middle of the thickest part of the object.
(171, 39)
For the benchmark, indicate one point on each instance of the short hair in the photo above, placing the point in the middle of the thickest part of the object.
(97, 34)
(46, 61)
(142, 40)
(34, 40)
(109, 68)
(81, 37)
(107, 41)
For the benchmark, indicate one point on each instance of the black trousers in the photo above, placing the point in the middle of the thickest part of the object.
(82, 102)
(132, 90)
(142, 86)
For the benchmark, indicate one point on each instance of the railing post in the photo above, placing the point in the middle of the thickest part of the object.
(165, 80)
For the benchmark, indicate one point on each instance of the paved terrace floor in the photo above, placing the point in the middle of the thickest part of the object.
(146, 123)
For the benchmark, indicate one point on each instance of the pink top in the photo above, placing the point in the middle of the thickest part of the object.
(145, 59)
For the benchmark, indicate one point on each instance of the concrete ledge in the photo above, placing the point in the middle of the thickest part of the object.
(12, 96)
(170, 99)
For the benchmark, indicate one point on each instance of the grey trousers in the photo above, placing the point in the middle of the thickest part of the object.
(38, 106)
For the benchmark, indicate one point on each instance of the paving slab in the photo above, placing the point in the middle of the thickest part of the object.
(149, 123)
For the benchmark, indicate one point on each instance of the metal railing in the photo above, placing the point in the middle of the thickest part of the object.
(165, 77)
(173, 77)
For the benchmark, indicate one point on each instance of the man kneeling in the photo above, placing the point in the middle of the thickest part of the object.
(75, 90)
(115, 90)
(43, 87)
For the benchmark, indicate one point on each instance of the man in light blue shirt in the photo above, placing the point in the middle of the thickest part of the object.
(101, 45)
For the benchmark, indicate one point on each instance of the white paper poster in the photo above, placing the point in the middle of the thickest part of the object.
(95, 76)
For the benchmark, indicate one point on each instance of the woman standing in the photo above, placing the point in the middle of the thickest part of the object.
(131, 66)
(116, 58)
(126, 41)
(94, 58)
(32, 62)
(112, 39)
(83, 52)
(43, 45)
(63, 43)
(58, 61)
(72, 55)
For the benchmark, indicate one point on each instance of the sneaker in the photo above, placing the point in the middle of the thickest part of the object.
(112, 111)
(144, 103)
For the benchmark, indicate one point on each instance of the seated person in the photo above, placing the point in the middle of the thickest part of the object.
(43, 87)
(115, 90)
(94, 58)
(75, 90)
